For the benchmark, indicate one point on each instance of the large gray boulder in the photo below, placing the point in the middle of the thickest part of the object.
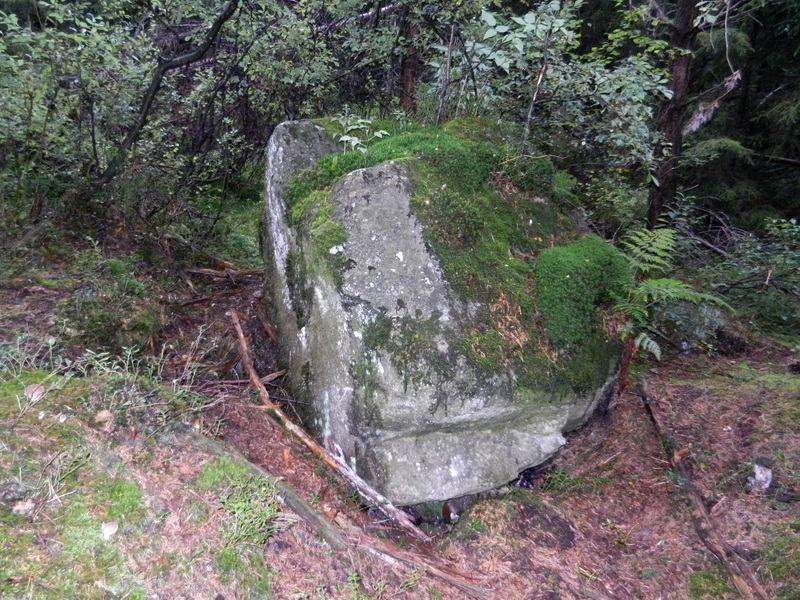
(370, 331)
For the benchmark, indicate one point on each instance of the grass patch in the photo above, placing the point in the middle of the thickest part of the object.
(708, 584)
(220, 473)
(83, 516)
(781, 561)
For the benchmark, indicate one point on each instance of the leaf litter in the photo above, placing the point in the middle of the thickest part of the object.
(603, 519)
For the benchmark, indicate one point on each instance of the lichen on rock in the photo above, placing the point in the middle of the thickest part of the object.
(406, 308)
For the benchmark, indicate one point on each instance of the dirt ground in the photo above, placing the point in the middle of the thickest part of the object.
(605, 518)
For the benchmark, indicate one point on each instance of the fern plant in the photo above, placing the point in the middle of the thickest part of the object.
(652, 253)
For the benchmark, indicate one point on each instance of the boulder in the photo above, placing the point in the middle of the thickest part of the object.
(376, 339)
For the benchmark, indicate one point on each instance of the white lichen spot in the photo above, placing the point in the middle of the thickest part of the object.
(399, 256)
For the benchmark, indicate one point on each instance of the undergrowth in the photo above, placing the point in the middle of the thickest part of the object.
(86, 494)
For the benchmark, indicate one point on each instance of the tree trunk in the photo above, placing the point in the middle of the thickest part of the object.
(409, 68)
(671, 116)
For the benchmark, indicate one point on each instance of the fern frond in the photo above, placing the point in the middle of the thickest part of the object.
(652, 291)
(712, 149)
(647, 344)
(650, 251)
(637, 312)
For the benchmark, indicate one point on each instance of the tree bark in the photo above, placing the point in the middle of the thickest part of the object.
(409, 68)
(671, 116)
(445, 78)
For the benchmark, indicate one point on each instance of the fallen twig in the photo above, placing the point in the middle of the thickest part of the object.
(342, 534)
(210, 298)
(737, 568)
(336, 462)
(226, 273)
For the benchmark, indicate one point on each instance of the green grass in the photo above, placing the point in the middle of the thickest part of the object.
(220, 473)
(781, 561)
(64, 478)
(708, 584)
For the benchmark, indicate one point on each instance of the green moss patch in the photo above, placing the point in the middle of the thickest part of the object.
(88, 511)
(487, 233)
(572, 281)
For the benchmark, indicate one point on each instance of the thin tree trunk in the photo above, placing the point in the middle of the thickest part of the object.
(446, 77)
(539, 80)
(670, 121)
(409, 68)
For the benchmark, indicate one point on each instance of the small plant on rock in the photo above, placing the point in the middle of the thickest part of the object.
(357, 132)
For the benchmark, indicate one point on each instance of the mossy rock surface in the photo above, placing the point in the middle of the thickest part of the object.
(408, 310)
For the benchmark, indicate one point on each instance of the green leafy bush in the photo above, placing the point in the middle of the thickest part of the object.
(571, 281)
(535, 175)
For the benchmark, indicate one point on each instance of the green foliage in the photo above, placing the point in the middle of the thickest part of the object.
(603, 103)
(612, 201)
(711, 149)
(109, 309)
(760, 277)
(650, 251)
(254, 510)
(357, 133)
(572, 282)
(654, 291)
(534, 175)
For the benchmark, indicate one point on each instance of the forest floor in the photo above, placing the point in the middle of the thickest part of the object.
(107, 489)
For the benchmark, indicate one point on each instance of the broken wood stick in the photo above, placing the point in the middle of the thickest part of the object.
(737, 568)
(335, 462)
(244, 352)
(265, 379)
(211, 298)
(340, 534)
(227, 273)
(222, 264)
(415, 560)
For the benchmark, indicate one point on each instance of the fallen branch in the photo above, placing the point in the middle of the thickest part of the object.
(340, 534)
(210, 298)
(222, 264)
(454, 577)
(335, 462)
(686, 231)
(226, 273)
(737, 568)
(287, 496)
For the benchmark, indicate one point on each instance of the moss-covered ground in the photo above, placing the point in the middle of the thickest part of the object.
(101, 498)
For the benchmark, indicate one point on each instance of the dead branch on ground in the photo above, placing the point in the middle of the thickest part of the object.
(335, 462)
(737, 568)
(342, 535)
